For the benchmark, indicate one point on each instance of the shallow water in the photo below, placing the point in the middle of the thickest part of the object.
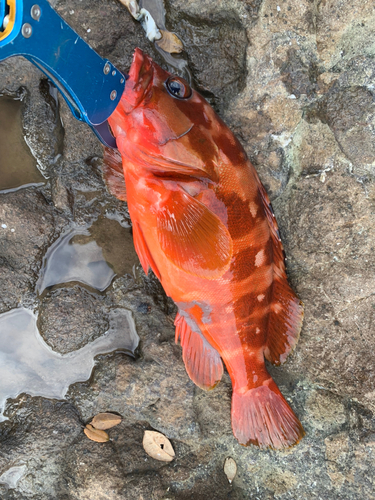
(11, 476)
(17, 164)
(75, 257)
(29, 365)
(92, 256)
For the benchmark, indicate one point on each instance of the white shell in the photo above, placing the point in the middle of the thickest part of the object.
(230, 468)
(157, 446)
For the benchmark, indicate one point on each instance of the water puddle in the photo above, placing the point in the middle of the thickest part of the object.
(11, 476)
(17, 164)
(28, 364)
(92, 256)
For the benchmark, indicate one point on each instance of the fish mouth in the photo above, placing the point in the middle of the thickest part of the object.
(140, 79)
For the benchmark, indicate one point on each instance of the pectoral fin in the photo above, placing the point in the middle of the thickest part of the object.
(202, 362)
(193, 237)
(113, 173)
(169, 167)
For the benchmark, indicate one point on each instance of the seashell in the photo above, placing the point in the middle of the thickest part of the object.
(230, 468)
(95, 434)
(157, 446)
(169, 42)
(132, 6)
(103, 421)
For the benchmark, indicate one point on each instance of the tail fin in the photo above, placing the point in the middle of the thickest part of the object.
(261, 416)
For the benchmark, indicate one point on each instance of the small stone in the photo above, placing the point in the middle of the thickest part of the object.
(4, 226)
(95, 434)
(157, 446)
(103, 421)
(230, 468)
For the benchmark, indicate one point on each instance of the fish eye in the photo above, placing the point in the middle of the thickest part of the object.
(177, 87)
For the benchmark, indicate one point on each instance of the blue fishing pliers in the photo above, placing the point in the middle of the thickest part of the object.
(91, 85)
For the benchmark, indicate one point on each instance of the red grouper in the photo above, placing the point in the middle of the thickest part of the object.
(203, 223)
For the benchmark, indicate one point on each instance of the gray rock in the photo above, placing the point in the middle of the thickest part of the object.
(71, 317)
(27, 228)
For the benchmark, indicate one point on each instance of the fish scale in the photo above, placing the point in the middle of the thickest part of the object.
(204, 224)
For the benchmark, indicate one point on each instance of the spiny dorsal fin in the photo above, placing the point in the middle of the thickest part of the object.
(284, 323)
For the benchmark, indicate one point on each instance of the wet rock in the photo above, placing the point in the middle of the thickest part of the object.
(212, 409)
(70, 318)
(336, 279)
(343, 30)
(216, 46)
(38, 435)
(326, 411)
(337, 451)
(154, 388)
(299, 74)
(315, 150)
(349, 112)
(26, 230)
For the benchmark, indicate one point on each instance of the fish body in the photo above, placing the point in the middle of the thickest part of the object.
(203, 223)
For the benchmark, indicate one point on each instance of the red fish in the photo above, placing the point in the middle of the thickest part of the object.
(203, 223)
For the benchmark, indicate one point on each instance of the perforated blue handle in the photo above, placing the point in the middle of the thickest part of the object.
(2, 11)
(91, 85)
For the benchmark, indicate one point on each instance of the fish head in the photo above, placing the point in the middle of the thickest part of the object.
(153, 97)
(162, 118)
(161, 114)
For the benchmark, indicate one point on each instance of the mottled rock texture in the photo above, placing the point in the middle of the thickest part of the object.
(295, 80)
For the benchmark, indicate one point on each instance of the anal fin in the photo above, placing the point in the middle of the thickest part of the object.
(202, 362)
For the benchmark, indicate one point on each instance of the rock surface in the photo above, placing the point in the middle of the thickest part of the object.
(295, 81)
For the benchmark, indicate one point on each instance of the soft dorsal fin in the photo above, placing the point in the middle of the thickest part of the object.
(193, 237)
(202, 362)
(286, 310)
(143, 251)
(113, 173)
(285, 322)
